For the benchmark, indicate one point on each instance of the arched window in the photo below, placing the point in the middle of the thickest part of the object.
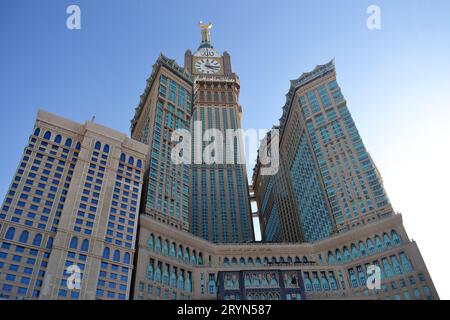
(305, 259)
(106, 253)
(85, 245)
(122, 157)
(58, 138)
(150, 242)
(173, 250)
(47, 135)
(355, 252)
(37, 240)
(158, 245)
(250, 261)
(10, 233)
(24, 237)
(139, 163)
(281, 259)
(37, 131)
(126, 258)
(234, 261)
(362, 248)
(166, 248)
(98, 145)
(378, 243)
(289, 260)
(180, 252)
(74, 243)
(131, 161)
(242, 261)
(106, 148)
(187, 255)
(370, 246)
(78, 146)
(338, 255)
(386, 240)
(116, 256)
(274, 260)
(49, 243)
(395, 237)
(258, 261)
(226, 261)
(68, 143)
(266, 260)
(331, 259)
(347, 256)
(194, 258)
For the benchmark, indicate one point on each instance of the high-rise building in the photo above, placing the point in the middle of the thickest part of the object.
(71, 212)
(69, 223)
(330, 175)
(220, 206)
(165, 106)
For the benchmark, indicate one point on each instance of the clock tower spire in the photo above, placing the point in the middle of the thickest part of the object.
(206, 34)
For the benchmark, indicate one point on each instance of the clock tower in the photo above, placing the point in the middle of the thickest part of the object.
(220, 205)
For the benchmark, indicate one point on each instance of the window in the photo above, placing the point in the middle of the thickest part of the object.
(74, 243)
(24, 237)
(106, 253)
(58, 139)
(122, 157)
(98, 145)
(85, 245)
(131, 161)
(106, 148)
(47, 135)
(126, 258)
(10, 233)
(68, 143)
(37, 240)
(49, 243)
(116, 257)
(139, 163)
(37, 131)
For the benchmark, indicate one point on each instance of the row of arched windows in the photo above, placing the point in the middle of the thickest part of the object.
(123, 158)
(369, 247)
(74, 244)
(25, 237)
(116, 256)
(57, 139)
(175, 251)
(98, 146)
(265, 261)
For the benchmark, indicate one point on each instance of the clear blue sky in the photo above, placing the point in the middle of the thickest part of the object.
(395, 79)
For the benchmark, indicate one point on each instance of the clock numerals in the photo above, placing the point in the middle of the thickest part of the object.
(207, 66)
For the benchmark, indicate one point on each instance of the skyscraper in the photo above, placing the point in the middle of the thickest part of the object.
(165, 106)
(72, 212)
(220, 209)
(69, 223)
(330, 175)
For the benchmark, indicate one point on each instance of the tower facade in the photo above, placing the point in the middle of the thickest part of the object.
(165, 106)
(72, 212)
(329, 174)
(220, 206)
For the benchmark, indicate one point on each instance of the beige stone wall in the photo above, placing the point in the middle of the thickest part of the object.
(315, 254)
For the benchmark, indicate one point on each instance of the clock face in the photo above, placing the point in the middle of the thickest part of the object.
(207, 66)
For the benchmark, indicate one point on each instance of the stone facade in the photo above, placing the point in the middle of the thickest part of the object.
(74, 201)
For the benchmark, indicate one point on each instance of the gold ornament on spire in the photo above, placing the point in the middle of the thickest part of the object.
(206, 33)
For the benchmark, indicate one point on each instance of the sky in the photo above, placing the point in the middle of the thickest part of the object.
(394, 79)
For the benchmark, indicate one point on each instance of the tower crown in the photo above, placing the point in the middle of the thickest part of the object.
(206, 34)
